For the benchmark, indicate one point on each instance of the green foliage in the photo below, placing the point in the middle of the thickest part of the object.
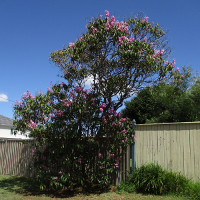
(166, 103)
(192, 191)
(148, 179)
(174, 182)
(195, 97)
(152, 179)
(126, 187)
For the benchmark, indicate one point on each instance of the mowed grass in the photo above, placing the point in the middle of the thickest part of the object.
(19, 188)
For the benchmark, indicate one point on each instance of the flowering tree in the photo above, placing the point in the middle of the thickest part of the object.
(77, 142)
(120, 57)
(79, 133)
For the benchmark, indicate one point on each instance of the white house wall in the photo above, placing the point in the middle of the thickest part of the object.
(5, 132)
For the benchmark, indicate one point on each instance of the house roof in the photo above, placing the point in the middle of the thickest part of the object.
(6, 121)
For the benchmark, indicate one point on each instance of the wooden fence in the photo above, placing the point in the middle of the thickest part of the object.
(15, 157)
(174, 146)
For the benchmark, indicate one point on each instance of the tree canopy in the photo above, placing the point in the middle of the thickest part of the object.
(166, 102)
(120, 56)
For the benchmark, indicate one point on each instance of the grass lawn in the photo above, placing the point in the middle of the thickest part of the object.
(19, 188)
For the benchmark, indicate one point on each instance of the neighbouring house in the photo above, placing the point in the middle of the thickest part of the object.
(7, 129)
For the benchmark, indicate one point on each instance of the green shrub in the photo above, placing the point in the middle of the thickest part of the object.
(152, 179)
(174, 182)
(126, 187)
(192, 191)
(148, 179)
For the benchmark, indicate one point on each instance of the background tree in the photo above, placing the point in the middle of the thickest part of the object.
(195, 97)
(166, 102)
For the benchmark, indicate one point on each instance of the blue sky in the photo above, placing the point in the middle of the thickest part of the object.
(32, 29)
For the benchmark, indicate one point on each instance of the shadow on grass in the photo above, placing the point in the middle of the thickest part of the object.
(30, 187)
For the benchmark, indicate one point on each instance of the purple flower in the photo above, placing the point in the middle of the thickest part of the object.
(44, 158)
(58, 113)
(71, 45)
(46, 119)
(104, 119)
(151, 44)
(166, 62)
(122, 119)
(162, 51)
(117, 159)
(67, 104)
(107, 26)
(131, 39)
(146, 19)
(80, 39)
(94, 30)
(50, 115)
(113, 124)
(116, 165)
(112, 155)
(107, 13)
(32, 125)
(78, 89)
(144, 39)
(79, 160)
(115, 113)
(124, 131)
(44, 167)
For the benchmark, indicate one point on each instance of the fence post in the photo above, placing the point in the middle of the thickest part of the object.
(133, 149)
